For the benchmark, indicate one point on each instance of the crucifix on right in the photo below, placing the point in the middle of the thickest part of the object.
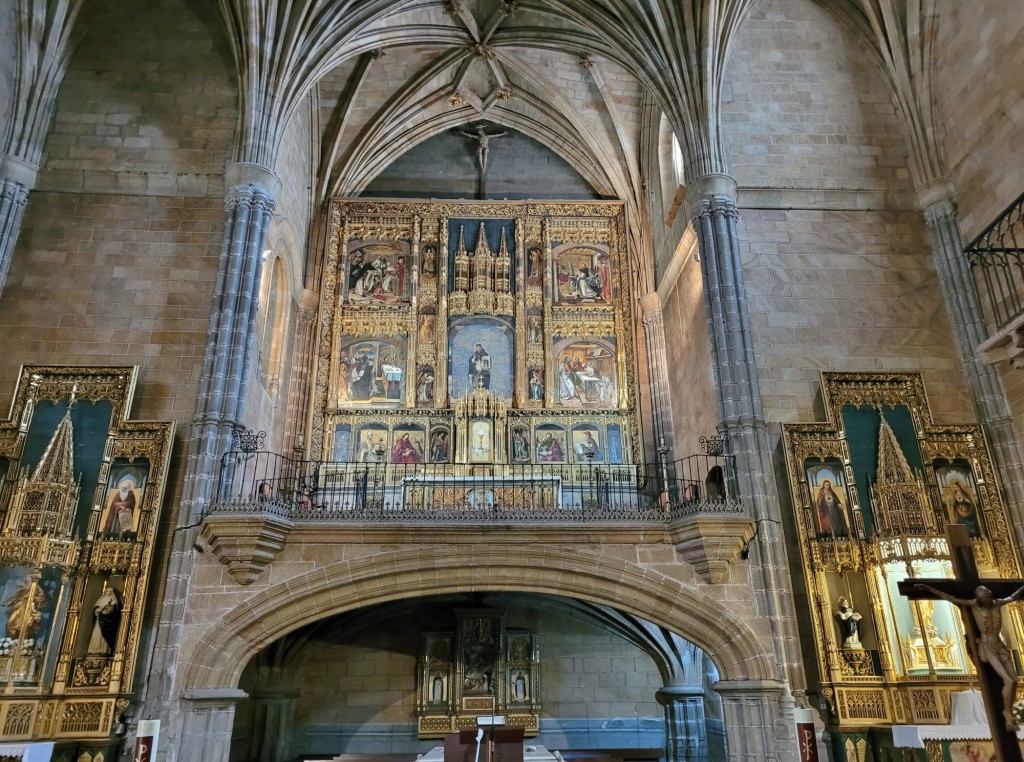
(981, 602)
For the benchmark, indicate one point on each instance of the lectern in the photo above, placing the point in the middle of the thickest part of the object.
(496, 743)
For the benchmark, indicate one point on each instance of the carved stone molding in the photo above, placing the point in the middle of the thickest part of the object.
(710, 542)
(246, 545)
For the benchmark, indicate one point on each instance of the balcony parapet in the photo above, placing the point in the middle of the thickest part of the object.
(263, 498)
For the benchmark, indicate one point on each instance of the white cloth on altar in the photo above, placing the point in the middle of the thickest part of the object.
(968, 723)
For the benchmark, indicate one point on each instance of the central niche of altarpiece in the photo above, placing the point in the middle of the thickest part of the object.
(476, 333)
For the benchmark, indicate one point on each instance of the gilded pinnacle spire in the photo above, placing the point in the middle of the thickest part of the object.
(481, 242)
(57, 465)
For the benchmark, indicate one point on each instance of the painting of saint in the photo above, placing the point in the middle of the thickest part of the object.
(377, 274)
(439, 445)
(537, 384)
(479, 370)
(828, 496)
(408, 447)
(371, 371)
(372, 447)
(425, 386)
(584, 276)
(586, 374)
(481, 352)
(956, 483)
(585, 446)
(534, 265)
(520, 446)
(123, 501)
(550, 446)
(426, 330)
(428, 259)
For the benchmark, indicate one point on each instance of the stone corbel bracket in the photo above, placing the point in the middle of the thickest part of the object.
(711, 540)
(245, 544)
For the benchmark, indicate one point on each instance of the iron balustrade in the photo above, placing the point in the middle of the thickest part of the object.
(379, 491)
(996, 258)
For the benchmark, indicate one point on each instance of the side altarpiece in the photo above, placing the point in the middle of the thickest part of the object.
(874, 487)
(81, 488)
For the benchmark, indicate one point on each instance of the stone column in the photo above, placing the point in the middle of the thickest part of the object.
(657, 372)
(714, 214)
(964, 307)
(231, 335)
(17, 178)
(229, 347)
(207, 719)
(685, 730)
(752, 709)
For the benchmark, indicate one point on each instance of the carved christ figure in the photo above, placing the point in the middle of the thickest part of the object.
(989, 647)
(483, 139)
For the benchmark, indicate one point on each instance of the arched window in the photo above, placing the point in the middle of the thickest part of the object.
(670, 161)
(273, 323)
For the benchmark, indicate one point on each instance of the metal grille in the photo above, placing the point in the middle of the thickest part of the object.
(425, 492)
(996, 258)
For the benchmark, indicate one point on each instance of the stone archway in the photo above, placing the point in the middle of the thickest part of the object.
(210, 671)
(218, 657)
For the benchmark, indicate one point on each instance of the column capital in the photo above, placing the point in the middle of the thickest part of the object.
(650, 303)
(244, 173)
(709, 185)
(18, 170)
(935, 192)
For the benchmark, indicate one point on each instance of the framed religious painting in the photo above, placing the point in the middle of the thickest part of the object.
(958, 493)
(826, 484)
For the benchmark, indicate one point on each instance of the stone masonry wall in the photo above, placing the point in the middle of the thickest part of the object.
(845, 291)
(803, 106)
(979, 96)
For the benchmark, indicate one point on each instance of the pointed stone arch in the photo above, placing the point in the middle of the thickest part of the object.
(222, 651)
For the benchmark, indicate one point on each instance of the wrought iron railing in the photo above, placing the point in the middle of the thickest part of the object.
(997, 264)
(379, 491)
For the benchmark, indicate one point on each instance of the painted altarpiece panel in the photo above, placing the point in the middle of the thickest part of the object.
(404, 333)
(896, 479)
(80, 508)
(480, 668)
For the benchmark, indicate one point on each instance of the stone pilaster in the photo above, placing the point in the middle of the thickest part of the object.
(16, 180)
(752, 710)
(964, 307)
(302, 363)
(657, 373)
(207, 719)
(714, 214)
(685, 730)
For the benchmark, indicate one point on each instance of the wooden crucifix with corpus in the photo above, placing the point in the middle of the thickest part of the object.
(980, 602)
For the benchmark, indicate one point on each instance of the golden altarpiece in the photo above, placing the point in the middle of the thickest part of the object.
(483, 668)
(475, 338)
(477, 354)
(873, 490)
(80, 499)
